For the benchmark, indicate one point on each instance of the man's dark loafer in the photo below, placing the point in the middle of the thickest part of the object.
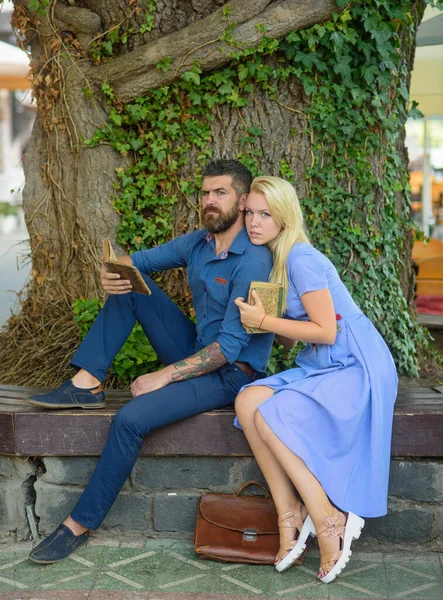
(69, 396)
(57, 546)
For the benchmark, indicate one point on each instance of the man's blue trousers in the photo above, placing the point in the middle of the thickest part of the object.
(173, 337)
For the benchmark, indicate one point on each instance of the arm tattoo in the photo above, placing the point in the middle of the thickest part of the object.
(207, 360)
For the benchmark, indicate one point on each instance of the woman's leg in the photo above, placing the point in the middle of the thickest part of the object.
(282, 489)
(308, 486)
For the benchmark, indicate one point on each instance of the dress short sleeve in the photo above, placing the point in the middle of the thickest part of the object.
(307, 270)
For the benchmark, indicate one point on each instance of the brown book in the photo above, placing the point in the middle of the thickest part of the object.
(271, 295)
(128, 272)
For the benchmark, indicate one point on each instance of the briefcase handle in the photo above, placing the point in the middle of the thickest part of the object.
(248, 483)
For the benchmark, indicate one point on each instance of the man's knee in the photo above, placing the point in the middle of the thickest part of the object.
(127, 420)
(122, 301)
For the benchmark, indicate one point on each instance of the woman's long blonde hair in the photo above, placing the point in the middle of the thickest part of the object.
(286, 212)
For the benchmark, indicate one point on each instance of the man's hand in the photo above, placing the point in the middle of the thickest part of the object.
(206, 360)
(251, 315)
(150, 382)
(112, 282)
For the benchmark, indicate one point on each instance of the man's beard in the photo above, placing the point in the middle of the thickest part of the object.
(220, 222)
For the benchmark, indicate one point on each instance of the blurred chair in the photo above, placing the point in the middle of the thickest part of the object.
(429, 280)
(416, 181)
(421, 251)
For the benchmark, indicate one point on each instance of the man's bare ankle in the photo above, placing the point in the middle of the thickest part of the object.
(75, 527)
(83, 379)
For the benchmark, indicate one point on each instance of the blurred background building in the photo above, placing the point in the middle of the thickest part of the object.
(424, 137)
(17, 114)
(17, 111)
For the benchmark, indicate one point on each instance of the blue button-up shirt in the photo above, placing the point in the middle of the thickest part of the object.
(215, 282)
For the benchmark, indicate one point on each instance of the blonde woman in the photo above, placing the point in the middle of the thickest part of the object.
(323, 427)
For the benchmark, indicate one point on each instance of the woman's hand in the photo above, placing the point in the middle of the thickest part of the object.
(251, 315)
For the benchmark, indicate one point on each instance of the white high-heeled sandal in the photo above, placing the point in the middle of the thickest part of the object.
(298, 546)
(348, 532)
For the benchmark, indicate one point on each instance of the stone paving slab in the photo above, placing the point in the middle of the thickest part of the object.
(96, 595)
(168, 569)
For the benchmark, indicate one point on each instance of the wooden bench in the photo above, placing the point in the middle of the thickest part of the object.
(28, 431)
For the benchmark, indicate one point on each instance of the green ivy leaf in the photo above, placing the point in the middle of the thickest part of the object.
(192, 77)
(116, 119)
(243, 72)
(414, 112)
(226, 88)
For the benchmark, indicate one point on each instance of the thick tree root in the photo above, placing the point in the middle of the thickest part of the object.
(37, 344)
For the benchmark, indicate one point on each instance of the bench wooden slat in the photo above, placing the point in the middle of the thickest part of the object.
(417, 390)
(112, 405)
(416, 403)
(16, 391)
(116, 395)
(425, 409)
(419, 399)
(13, 394)
(205, 434)
(29, 431)
(210, 434)
(22, 391)
(6, 402)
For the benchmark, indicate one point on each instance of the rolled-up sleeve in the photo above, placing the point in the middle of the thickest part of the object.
(233, 336)
(167, 256)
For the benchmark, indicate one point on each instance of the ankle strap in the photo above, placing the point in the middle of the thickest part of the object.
(333, 526)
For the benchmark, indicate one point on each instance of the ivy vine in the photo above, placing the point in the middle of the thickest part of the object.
(112, 41)
(354, 72)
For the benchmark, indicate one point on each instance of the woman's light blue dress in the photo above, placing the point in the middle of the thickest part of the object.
(335, 409)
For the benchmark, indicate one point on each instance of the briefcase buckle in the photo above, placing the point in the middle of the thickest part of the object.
(250, 535)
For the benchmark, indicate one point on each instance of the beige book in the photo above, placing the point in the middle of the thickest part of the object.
(271, 296)
(128, 272)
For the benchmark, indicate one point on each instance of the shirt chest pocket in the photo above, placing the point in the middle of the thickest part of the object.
(220, 291)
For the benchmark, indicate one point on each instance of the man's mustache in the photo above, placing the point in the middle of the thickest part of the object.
(211, 209)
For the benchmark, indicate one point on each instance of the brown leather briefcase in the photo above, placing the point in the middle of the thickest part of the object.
(234, 528)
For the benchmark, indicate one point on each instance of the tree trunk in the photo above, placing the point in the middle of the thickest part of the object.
(70, 185)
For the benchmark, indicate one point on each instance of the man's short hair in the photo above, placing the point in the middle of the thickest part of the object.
(241, 175)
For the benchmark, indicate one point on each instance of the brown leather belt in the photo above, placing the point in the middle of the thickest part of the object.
(247, 370)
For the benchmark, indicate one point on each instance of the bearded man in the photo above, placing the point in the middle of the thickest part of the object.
(206, 363)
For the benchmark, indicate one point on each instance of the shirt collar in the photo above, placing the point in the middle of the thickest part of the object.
(238, 245)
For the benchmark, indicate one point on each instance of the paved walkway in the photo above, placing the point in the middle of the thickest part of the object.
(168, 569)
